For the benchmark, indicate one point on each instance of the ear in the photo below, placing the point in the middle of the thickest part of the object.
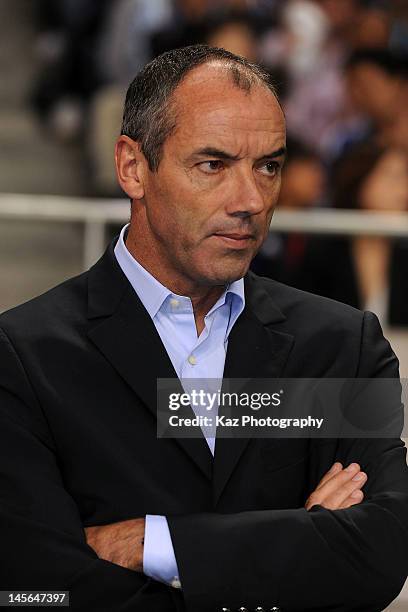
(130, 167)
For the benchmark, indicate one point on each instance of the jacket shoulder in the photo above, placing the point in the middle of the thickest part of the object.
(303, 306)
(64, 303)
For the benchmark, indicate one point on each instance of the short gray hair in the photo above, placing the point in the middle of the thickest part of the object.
(148, 117)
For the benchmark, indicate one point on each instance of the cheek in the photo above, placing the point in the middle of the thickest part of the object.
(170, 208)
(181, 223)
(271, 192)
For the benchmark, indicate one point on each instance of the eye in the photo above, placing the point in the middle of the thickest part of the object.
(270, 168)
(212, 166)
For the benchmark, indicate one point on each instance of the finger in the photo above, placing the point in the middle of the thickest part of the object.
(338, 497)
(337, 480)
(336, 468)
(326, 494)
(355, 498)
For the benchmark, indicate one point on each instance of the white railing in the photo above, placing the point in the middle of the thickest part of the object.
(95, 214)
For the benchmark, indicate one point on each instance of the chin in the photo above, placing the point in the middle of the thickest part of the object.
(226, 276)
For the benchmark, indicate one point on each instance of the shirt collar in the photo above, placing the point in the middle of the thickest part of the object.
(152, 293)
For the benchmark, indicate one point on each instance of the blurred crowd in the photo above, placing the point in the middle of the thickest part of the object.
(341, 70)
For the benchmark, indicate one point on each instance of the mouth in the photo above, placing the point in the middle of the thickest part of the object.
(237, 240)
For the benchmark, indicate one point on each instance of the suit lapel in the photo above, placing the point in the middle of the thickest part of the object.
(124, 333)
(255, 350)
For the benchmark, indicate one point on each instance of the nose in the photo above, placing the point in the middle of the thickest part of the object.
(245, 198)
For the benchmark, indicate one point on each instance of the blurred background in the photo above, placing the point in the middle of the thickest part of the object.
(341, 70)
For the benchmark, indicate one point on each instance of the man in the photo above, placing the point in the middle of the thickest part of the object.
(92, 501)
(377, 86)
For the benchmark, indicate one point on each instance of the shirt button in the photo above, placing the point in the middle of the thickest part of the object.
(192, 360)
(174, 303)
(175, 583)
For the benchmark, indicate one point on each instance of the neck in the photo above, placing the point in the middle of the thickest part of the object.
(203, 297)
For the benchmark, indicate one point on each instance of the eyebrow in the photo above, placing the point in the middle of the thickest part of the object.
(213, 152)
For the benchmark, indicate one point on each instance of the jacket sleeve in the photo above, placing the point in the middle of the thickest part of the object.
(43, 543)
(341, 560)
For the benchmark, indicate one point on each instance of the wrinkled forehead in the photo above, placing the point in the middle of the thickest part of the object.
(211, 109)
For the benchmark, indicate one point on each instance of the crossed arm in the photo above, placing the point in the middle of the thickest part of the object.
(122, 542)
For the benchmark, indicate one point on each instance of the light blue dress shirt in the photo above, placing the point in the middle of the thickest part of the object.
(192, 357)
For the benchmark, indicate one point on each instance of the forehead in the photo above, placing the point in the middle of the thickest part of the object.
(211, 109)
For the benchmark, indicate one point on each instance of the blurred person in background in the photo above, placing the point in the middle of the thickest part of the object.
(357, 23)
(282, 256)
(194, 20)
(304, 178)
(187, 27)
(313, 41)
(377, 83)
(124, 46)
(68, 73)
(234, 33)
(399, 28)
(367, 272)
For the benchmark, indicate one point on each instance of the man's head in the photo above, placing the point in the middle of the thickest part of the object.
(202, 145)
(376, 79)
(303, 177)
(235, 32)
(341, 13)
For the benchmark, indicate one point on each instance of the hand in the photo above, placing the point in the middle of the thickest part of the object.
(337, 489)
(120, 543)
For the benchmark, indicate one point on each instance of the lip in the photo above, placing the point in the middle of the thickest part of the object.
(235, 239)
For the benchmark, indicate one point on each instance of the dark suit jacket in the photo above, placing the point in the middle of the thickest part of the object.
(79, 447)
